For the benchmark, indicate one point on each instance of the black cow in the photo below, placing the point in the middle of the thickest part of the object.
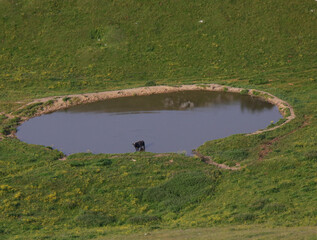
(139, 146)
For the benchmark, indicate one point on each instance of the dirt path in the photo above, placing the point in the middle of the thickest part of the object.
(208, 160)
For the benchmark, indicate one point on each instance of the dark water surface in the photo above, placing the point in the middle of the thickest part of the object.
(172, 122)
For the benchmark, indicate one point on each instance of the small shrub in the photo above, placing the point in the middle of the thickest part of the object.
(225, 89)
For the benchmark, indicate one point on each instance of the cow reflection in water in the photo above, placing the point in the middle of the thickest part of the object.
(139, 146)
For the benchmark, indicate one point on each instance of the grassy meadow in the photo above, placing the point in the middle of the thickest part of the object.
(56, 47)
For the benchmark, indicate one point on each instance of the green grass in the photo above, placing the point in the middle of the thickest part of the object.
(54, 47)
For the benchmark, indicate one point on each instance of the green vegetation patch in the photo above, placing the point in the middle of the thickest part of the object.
(181, 190)
(233, 149)
(65, 99)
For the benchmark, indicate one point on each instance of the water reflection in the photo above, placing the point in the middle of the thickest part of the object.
(185, 100)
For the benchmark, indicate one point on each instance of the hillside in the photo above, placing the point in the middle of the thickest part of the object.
(55, 47)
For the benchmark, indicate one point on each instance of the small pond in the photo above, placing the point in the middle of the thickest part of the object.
(171, 122)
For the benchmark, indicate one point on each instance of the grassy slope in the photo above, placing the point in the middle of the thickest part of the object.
(61, 47)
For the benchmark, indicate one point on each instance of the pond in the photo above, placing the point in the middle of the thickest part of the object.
(171, 122)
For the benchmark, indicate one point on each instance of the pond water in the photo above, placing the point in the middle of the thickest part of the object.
(173, 122)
